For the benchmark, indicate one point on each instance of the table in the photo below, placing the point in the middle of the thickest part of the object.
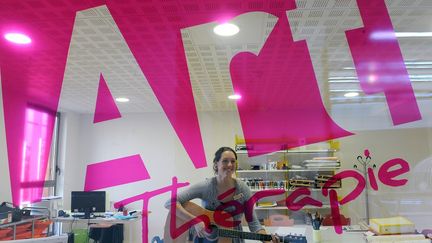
(327, 233)
(103, 221)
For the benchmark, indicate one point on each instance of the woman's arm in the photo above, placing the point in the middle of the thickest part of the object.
(255, 225)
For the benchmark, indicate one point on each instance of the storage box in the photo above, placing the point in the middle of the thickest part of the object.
(393, 225)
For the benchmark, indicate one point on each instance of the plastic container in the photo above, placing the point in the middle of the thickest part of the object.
(80, 235)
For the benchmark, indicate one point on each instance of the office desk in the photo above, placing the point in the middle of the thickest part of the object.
(94, 221)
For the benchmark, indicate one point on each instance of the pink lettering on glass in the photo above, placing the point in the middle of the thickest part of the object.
(106, 108)
(379, 63)
(288, 111)
(32, 75)
(115, 172)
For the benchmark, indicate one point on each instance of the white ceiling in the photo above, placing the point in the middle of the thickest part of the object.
(98, 47)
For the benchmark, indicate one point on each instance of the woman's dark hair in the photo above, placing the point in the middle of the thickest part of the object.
(218, 156)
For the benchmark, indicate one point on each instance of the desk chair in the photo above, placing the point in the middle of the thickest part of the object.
(106, 233)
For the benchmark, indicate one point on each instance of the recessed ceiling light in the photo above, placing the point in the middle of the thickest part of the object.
(342, 78)
(226, 29)
(122, 99)
(344, 90)
(351, 94)
(234, 97)
(17, 38)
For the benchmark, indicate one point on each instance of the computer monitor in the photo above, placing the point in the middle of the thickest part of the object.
(88, 202)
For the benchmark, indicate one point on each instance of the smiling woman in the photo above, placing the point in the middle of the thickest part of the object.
(218, 192)
(225, 158)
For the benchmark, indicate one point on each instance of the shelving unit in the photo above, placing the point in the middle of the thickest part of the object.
(265, 172)
(29, 227)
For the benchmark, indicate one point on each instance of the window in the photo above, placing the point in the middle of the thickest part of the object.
(37, 178)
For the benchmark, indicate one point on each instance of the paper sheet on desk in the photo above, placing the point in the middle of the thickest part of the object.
(123, 217)
(290, 231)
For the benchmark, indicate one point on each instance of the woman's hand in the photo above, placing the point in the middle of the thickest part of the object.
(200, 230)
(275, 238)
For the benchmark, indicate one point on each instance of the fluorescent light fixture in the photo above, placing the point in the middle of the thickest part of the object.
(17, 38)
(345, 90)
(421, 76)
(351, 94)
(234, 97)
(418, 63)
(409, 64)
(122, 99)
(419, 66)
(356, 81)
(342, 78)
(384, 35)
(413, 34)
(371, 97)
(348, 81)
(226, 29)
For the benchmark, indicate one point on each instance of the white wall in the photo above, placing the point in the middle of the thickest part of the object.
(69, 155)
(5, 186)
(149, 135)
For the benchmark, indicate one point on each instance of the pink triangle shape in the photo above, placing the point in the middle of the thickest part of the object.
(106, 108)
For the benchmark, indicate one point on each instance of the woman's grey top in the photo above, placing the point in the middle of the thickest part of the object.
(207, 192)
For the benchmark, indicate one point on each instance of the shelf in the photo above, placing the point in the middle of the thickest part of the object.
(258, 190)
(269, 153)
(293, 189)
(294, 151)
(314, 169)
(325, 206)
(312, 151)
(289, 170)
(259, 171)
(314, 189)
(269, 208)
(285, 208)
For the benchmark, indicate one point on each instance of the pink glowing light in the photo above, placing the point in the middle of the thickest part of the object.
(18, 38)
(234, 97)
(372, 78)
